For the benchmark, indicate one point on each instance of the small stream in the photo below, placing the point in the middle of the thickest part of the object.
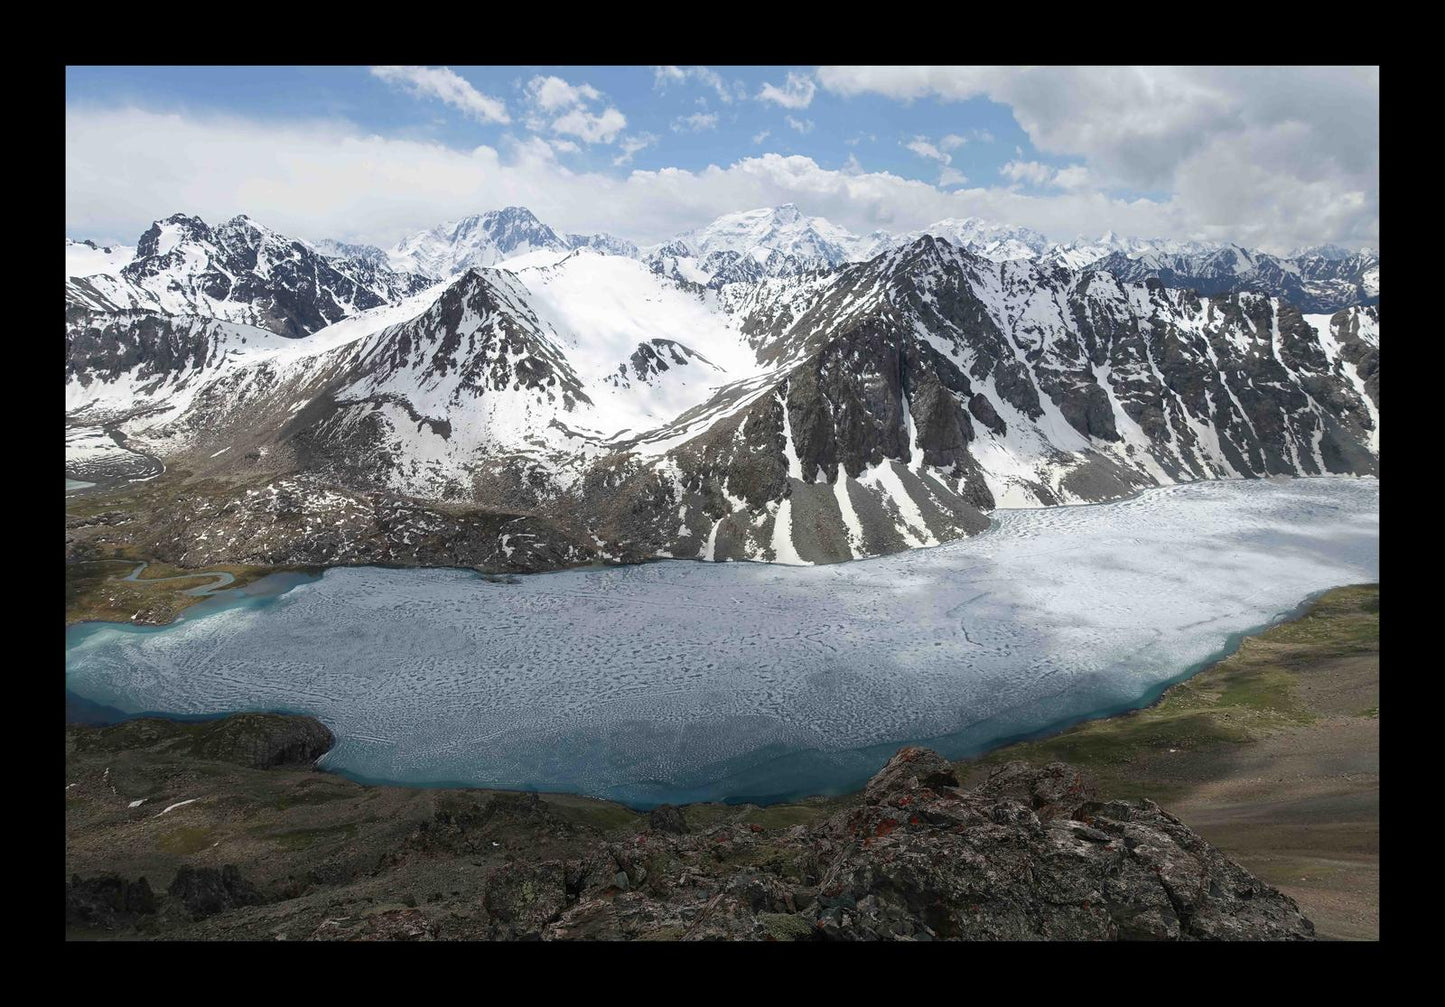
(221, 580)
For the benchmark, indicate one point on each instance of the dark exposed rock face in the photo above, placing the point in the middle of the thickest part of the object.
(1031, 854)
(667, 818)
(104, 346)
(506, 348)
(908, 771)
(254, 740)
(107, 901)
(1363, 354)
(653, 358)
(472, 822)
(205, 891)
(264, 740)
(522, 899)
(280, 284)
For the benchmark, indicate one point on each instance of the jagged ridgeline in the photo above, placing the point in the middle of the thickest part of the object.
(495, 393)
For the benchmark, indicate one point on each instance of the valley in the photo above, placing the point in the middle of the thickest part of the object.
(740, 503)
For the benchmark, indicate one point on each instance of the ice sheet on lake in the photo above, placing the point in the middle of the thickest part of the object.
(682, 681)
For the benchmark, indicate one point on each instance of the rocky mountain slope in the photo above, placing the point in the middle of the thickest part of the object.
(781, 241)
(1311, 282)
(153, 849)
(838, 411)
(240, 272)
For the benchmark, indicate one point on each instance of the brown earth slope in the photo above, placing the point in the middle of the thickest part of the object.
(1273, 755)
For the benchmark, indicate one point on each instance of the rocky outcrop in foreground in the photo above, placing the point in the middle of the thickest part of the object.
(257, 740)
(1030, 854)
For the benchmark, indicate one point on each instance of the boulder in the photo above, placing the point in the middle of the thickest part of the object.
(263, 740)
(107, 901)
(205, 891)
(667, 818)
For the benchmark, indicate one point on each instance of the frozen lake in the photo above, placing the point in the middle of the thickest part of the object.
(682, 681)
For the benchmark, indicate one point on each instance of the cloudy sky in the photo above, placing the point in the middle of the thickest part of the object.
(1271, 158)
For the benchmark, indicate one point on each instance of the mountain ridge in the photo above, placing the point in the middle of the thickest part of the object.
(781, 241)
(816, 416)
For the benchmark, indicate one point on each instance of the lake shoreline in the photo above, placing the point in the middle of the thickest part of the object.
(1046, 623)
(502, 576)
(303, 819)
(102, 716)
(1272, 754)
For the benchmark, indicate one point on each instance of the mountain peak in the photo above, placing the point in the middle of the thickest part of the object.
(513, 213)
(164, 235)
(482, 239)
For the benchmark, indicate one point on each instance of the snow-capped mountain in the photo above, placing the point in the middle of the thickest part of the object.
(782, 229)
(599, 406)
(482, 239)
(240, 271)
(772, 241)
(86, 258)
(781, 241)
(1327, 252)
(1084, 251)
(1313, 283)
(608, 243)
(344, 250)
(486, 239)
(998, 242)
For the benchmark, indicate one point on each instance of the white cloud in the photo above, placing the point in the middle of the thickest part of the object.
(532, 149)
(662, 76)
(547, 96)
(1075, 176)
(324, 178)
(1035, 173)
(631, 145)
(695, 123)
(947, 176)
(921, 146)
(796, 92)
(552, 93)
(760, 137)
(589, 127)
(447, 86)
(951, 176)
(1030, 172)
(801, 125)
(1253, 154)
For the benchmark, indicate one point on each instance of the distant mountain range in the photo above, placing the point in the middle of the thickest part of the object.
(782, 241)
(492, 392)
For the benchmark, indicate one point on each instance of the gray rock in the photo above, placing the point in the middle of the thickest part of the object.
(205, 891)
(667, 818)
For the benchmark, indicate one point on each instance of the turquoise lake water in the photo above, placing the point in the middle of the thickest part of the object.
(681, 681)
